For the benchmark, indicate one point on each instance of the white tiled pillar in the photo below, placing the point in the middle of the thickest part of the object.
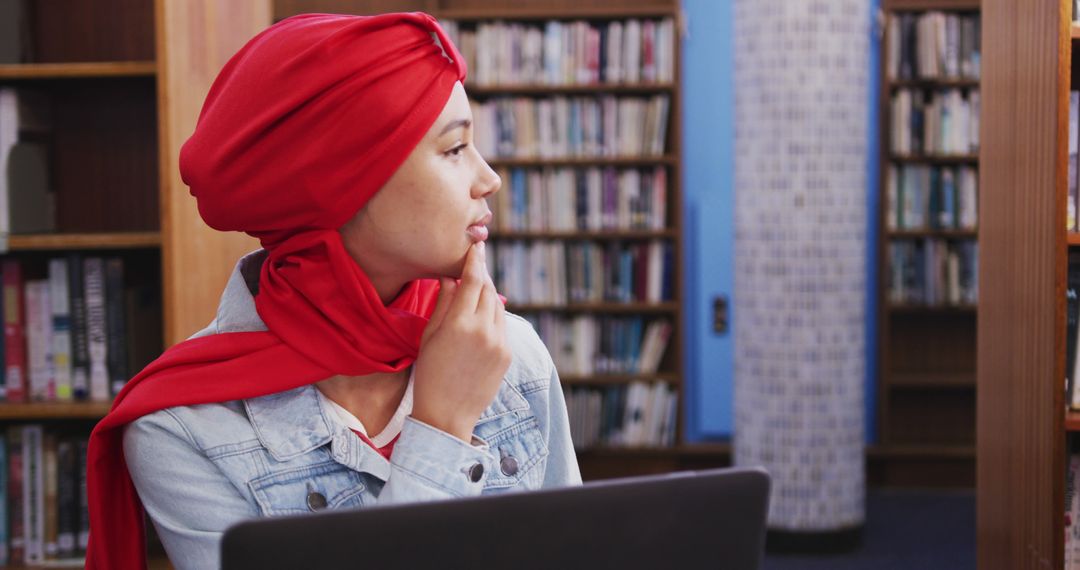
(802, 78)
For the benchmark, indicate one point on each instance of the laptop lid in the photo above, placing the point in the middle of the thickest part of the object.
(692, 519)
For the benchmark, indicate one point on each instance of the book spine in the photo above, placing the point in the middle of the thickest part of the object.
(116, 324)
(80, 355)
(61, 327)
(15, 381)
(5, 496)
(16, 501)
(33, 498)
(49, 493)
(1072, 511)
(94, 276)
(83, 523)
(38, 312)
(66, 497)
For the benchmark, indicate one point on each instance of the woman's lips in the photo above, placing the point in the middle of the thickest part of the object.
(478, 232)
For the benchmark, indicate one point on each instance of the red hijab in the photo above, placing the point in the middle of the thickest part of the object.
(302, 126)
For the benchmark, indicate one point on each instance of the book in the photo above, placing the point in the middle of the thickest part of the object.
(61, 327)
(1074, 132)
(31, 198)
(1072, 470)
(1072, 319)
(39, 340)
(67, 503)
(16, 502)
(80, 347)
(15, 42)
(83, 537)
(97, 342)
(33, 481)
(4, 498)
(116, 324)
(51, 482)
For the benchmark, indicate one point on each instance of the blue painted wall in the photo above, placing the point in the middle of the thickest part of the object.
(709, 223)
(708, 216)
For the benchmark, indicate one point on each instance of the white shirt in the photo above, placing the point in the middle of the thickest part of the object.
(392, 429)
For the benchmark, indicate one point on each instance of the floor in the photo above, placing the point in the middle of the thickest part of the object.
(922, 530)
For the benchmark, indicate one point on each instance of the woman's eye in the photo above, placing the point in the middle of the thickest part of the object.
(456, 151)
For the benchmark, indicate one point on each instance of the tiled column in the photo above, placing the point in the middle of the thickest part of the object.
(802, 75)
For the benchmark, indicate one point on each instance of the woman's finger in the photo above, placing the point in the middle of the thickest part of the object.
(472, 281)
(447, 287)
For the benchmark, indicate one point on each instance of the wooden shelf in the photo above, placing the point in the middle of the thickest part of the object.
(920, 5)
(944, 83)
(927, 309)
(78, 70)
(1073, 238)
(946, 234)
(153, 562)
(123, 240)
(601, 379)
(579, 161)
(932, 380)
(921, 451)
(591, 88)
(54, 410)
(546, 13)
(935, 158)
(689, 449)
(586, 234)
(1072, 420)
(1074, 31)
(654, 308)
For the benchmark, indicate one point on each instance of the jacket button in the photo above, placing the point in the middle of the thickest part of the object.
(316, 501)
(508, 465)
(476, 472)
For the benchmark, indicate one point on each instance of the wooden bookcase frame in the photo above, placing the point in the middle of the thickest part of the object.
(944, 393)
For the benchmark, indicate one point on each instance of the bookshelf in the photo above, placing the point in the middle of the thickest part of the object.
(926, 347)
(1028, 71)
(124, 80)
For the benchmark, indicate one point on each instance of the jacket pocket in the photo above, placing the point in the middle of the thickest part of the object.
(309, 488)
(519, 449)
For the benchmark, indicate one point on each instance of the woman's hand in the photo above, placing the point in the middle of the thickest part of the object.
(463, 352)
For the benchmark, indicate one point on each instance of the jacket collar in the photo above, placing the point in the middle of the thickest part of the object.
(291, 423)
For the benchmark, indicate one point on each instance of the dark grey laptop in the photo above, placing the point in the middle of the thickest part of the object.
(693, 519)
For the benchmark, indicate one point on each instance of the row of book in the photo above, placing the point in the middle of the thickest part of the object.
(933, 45)
(636, 414)
(571, 127)
(921, 197)
(587, 345)
(935, 122)
(27, 200)
(586, 199)
(567, 53)
(77, 332)
(933, 272)
(561, 272)
(43, 502)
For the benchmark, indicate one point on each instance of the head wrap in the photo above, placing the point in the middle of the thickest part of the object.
(300, 129)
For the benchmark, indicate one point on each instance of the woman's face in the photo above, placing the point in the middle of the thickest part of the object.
(421, 223)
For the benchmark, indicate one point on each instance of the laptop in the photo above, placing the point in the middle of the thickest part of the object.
(693, 519)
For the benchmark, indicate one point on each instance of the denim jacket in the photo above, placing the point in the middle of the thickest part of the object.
(200, 469)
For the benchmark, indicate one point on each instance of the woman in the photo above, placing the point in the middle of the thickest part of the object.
(347, 366)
